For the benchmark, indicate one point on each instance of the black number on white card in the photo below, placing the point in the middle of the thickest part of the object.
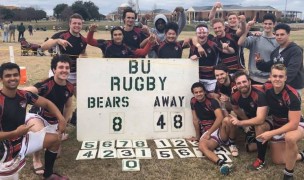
(178, 121)
(161, 121)
(108, 153)
(117, 121)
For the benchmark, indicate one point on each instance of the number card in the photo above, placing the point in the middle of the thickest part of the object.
(125, 153)
(162, 143)
(198, 153)
(130, 165)
(107, 153)
(117, 123)
(86, 154)
(164, 154)
(222, 150)
(89, 145)
(179, 143)
(193, 143)
(123, 144)
(178, 121)
(140, 144)
(143, 153)
(107, 144)
(184, 153)
(160, 121)
(225, 157)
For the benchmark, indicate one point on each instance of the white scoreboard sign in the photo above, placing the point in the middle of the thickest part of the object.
(134, 98)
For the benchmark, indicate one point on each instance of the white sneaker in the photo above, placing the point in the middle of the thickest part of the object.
(234, 151)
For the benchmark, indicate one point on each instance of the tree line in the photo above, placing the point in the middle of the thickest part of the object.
(87, 9)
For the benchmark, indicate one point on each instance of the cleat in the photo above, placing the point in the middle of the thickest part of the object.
(225, 169)
(256, 165)
(234, 151)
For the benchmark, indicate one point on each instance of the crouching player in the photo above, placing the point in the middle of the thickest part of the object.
(210, 128)
(16, 141)
(288, 128)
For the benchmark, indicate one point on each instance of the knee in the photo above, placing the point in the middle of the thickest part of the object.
(289, 139)
(226, 122)
(278, 161)
(53, 142)
(202, 146)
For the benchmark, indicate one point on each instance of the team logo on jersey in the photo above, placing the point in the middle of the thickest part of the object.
(81, 44)
(134, 37)
(278, 59)
(228, 41)
(252, 104)
(280, 102)
(209, 50)
(22, 104)
(66, 94)
(123, 52)
(176, 48)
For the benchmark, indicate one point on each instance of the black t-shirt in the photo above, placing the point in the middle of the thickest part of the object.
(280, 104)
(133, 38)
(169, 49)
(257, 98)
(111, 50)
(206, 63)
(232, 61)
(12, 115)
(59, 95)
(79, 45)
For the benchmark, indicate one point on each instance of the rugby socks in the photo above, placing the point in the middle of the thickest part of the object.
(49, 160)
(302, 155)
(220, 162)
(288, 172)
(262, 148)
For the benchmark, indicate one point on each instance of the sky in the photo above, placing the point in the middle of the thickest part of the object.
(107, 6)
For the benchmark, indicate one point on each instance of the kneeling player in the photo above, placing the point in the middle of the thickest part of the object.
(288, 128)
(209, 125)
(16, 139)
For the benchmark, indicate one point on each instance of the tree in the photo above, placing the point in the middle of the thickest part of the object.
(58, 9)
(78, 7)
(92, 9)
(6, 14)
(66, 13)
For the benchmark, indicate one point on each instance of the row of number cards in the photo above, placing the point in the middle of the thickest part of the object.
(107, 150)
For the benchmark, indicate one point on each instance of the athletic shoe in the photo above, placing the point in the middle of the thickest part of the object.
(286, 177)
(257, 165)
(234, 151)
(225, 169)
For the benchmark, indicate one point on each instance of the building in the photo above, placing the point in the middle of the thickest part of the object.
(292, 15)
(200, 13)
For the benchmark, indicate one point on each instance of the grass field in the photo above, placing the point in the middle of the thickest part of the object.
(191, 168)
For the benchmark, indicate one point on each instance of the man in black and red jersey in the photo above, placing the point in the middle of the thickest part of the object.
(233, 27)
(208, 60)
(209, 125)
(232, 60)
(70, 42)
(115, 48)
(133, 36)
(59, 91)
(288, 128)
(224, 88)
(16, 139)
(250, 105)
(170, 47)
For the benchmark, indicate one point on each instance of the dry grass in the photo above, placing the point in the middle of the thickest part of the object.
(192, 168)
